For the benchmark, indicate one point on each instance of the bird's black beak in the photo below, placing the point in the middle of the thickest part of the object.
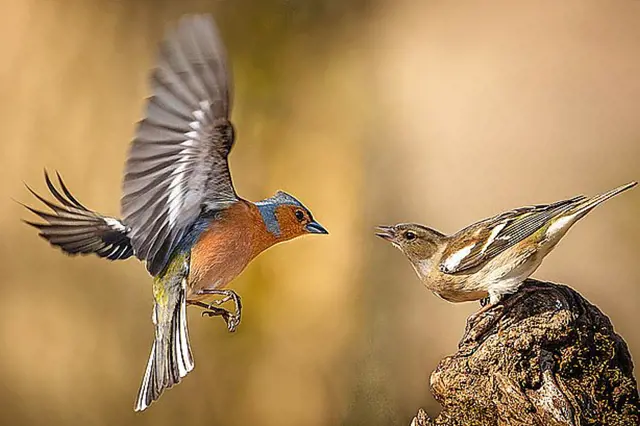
(386, 232)
(315, 228)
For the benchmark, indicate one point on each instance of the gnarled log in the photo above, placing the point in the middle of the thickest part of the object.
(545, 356)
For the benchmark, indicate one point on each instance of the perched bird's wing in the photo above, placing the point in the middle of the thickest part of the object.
(78, 230)
(482, 241)
(177, 164)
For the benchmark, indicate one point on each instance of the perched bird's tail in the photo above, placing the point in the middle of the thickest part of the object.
(170, 358)
(575, 210)
(589, 204)
(78, 230)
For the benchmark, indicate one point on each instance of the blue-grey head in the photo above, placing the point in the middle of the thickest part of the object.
(287, 218)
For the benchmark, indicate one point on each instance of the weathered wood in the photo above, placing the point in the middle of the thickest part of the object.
(546, 356)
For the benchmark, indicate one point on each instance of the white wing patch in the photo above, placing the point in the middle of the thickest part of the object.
(115, 224)
(494, 233)
(177, 185)
(454, 260)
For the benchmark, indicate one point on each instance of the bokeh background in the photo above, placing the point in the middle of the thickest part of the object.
(372, 112)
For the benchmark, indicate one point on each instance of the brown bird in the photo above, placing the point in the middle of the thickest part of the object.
(490, 258)
(181, 213)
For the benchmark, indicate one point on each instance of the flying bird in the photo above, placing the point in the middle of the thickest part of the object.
(181, 214)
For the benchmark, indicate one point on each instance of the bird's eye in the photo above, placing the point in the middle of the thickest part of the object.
(299, 215)
(409, 235)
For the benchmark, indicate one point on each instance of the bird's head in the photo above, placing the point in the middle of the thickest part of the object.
(417, 242)
(287, 218)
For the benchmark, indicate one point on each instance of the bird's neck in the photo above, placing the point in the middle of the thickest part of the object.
(423, 267)
(267, 231)
(267, 213)
(427, 266)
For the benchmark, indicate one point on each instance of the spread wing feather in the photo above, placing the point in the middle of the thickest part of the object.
(78, 230)
(177, 163)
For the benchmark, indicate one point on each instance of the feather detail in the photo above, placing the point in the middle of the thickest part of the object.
(177, 165)
(492, 236)
(170, 359)
(78, 230)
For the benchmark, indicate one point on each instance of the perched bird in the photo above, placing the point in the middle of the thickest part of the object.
(491, 257)
(180, 212)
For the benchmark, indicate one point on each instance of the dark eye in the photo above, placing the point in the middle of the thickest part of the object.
(409, 235)
(299, 215)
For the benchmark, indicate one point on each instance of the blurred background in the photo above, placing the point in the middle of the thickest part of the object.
(372, 112)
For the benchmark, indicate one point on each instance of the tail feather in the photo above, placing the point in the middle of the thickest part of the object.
(562, 222)
(171, 357)
(181, 347)
(78, 230)
(586, 206)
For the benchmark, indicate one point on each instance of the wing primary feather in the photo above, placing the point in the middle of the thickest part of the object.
(177, 166)
(515, 226)
(76, 229)
(55, 192)
(68, 193)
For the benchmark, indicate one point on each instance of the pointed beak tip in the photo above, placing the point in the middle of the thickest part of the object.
(316, 228)
(385, 232)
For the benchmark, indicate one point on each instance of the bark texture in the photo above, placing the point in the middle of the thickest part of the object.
(545, 356)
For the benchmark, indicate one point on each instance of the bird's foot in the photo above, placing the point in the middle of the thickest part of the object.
(474, 329)
(232, 319)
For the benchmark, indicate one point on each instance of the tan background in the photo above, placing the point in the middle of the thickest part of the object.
(370, 112)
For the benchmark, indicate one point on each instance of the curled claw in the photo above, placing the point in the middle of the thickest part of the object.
(232, 322)
(212, 311)
(232, 319)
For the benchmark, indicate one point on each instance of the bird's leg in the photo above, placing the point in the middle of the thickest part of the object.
(494, 301)
(232, 319)
(473, 319)
(229, 295)
(488, 305)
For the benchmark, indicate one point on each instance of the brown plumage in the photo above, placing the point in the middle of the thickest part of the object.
(491, 257)
(238, 235)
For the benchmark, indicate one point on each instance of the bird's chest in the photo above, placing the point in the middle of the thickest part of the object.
(219, 256)
(452, 288)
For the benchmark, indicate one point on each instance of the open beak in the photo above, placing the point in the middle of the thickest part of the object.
(386, 232)
(315, 228)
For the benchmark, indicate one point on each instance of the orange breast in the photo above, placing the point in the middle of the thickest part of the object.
(225, 249)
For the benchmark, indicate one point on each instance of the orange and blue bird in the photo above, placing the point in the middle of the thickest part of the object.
(180, 212)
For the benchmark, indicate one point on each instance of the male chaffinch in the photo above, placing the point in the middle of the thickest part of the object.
(491, 257)
(180, 212)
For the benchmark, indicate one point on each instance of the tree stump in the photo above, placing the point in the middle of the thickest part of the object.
(545, 356)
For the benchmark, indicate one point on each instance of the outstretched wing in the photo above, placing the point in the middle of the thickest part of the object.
(177, 164)
(78, 230)
(484, 240)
